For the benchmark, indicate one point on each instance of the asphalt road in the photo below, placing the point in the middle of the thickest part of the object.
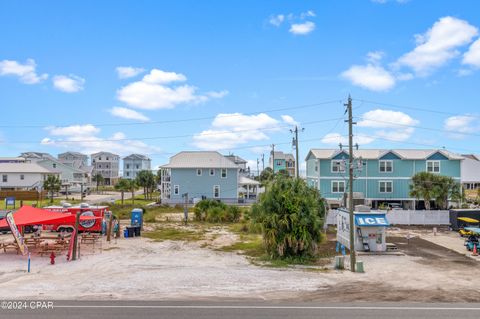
(241, 310)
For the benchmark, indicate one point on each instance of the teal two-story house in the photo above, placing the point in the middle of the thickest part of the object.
(381, 176)
(201, 175)
(280, 161)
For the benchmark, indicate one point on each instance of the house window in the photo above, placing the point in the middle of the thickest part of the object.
(100, 158)
(4, 178)
(128, 173)
(385, 186)
(128, 166)
(137, 166)
(199, 172)
(338, 186)
(212, 172)
(176, 189)
(316, 168)
(224, 173)
(216, 191)
(22, 177)
(433, 166)
(338, 167)
(279, 163)
(99, 165)
(385, 166)
(54, 165)
(107, 158)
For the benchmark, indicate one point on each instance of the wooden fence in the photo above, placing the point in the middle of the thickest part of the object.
(23, 195)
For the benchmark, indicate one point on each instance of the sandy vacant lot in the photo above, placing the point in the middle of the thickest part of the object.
(141, 269)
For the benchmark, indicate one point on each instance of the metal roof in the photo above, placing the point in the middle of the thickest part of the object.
(243, 180)
(137, 156)
(200, 159)
(416, 154)
(24, 168)
(470, 170)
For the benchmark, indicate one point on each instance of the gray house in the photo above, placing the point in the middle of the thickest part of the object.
(134, 163)
(200, 174)
(74, 159)
(107, 165)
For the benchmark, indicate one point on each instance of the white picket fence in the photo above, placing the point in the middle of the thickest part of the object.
(406, 217)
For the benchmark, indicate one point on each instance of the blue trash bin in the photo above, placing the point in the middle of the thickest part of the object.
(125, 233)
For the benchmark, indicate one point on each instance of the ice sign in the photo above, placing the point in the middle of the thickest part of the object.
(371, 221)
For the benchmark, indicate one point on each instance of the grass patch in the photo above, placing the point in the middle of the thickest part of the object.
(251, 248)
(162, 234)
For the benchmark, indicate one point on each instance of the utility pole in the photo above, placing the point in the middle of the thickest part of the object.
(350, 182)
(295, 143)
(258, 169)
(263, 162)
(273, 158)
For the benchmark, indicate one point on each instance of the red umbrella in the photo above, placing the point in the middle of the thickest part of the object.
(27, 215)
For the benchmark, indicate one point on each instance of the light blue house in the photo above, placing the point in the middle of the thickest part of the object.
(381, 176)
(134, 163)
(201, 175)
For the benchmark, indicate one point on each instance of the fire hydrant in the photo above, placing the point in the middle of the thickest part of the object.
(52, 258)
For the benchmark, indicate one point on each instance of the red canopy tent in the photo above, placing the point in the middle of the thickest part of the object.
(27, 215)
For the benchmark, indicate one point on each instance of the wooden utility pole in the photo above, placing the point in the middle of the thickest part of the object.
(75, 236)
(295, 141)
(185, 208)
(350, 182)
(263, 162)
(273, 158)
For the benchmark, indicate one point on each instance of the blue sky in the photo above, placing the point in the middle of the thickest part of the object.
(158, 77)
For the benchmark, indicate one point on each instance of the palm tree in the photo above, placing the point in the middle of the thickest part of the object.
(132, 187)
(422, 187)
(145, 179)
(123, 186)
(98, 178)
(52, 184)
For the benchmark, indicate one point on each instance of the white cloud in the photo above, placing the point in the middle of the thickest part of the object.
(85, 139)
(277, 20)
(68, 84)
(375, 56)
(391, 125)
(125, 72)
(302, 28)
(26, 72)
(126, 113)
(289, 120)
(461, 124)
(336, 138)
(157, 76)
(230, 130)
(472, 56)
(153, 92)
(438, 45)
(307, 14)
(79, 130)
(372, 77)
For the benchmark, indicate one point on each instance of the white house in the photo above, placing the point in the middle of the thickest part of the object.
(23, 176)
(107, 165)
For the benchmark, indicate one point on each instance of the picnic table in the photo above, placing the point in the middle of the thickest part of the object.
(51, 248)
(89, 238)
(33, 241)
(11, 245)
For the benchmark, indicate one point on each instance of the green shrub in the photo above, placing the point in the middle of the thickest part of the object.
(214, 211)
(291, 216)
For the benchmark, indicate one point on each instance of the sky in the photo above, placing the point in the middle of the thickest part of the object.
(160, 77)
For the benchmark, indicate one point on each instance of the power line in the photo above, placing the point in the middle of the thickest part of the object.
(280, 109)
(421, 127)
(429, 110)
(175, 136)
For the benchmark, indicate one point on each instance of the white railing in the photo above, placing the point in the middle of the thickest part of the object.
(406, 217)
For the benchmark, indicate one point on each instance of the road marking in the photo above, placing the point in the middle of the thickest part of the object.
(275, 307)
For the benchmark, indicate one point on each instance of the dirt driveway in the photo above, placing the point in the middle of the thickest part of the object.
(139, 268)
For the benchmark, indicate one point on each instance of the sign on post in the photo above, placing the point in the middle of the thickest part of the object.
(9, 201)
(16, 234)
